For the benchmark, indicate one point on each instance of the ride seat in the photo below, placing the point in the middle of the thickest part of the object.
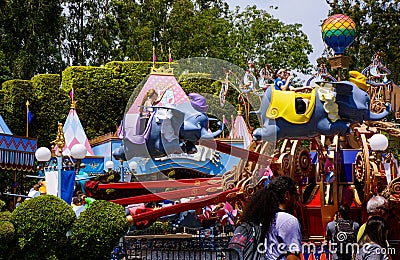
(134, 130)
(283, 105)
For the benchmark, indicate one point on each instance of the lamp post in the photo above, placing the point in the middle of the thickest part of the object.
(109, 165)
(133, 166)
(119, 154)
(78, 152)
(43, 155)
(378, 144)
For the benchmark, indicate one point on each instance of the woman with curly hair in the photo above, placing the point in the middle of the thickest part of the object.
(276, 232)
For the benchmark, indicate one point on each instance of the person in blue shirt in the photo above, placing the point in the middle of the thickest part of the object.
(282, 80)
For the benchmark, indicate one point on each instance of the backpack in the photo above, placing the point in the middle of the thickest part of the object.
(245, 242)
(344, 234)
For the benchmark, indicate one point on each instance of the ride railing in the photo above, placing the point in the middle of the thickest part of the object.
(188, 246)
(176, 246)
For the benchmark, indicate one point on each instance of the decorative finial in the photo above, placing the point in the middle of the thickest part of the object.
(239, 109)
(162, 70)
(73, 104)
(60, 139)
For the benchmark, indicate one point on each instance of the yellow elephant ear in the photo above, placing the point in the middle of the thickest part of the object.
(359, 80)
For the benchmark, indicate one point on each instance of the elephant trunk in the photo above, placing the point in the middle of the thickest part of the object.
(206, 135)
(375, 117)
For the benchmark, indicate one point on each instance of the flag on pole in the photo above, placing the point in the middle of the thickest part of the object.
(154, 56)
(30, 117)
(121, 130)
(170, 55)
(71, 93)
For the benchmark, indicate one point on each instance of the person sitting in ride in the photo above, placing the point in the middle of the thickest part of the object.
(150, 99)
(282, 82)
(282, 79)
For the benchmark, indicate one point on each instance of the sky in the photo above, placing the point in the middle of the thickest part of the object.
(309, 13)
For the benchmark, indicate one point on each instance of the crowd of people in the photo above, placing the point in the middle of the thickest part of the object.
(269, 229)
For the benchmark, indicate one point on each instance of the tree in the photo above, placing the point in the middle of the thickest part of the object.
(90, 36)
(378, 27)
(30, 33)
(266, 40)
(5, 71)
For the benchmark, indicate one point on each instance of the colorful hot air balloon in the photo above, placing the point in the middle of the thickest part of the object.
(338, 32)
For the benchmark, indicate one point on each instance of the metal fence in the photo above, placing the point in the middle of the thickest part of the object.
(176, 247)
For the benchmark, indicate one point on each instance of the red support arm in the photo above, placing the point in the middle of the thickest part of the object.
(194, 204)
(169, 195)
(159, 184)
(236, 151)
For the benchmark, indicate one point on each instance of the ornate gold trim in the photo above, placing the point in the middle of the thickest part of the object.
(162, 71)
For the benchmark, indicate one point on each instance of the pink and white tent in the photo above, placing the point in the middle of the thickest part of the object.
(74, 134)
(165, 84)
(239, 131)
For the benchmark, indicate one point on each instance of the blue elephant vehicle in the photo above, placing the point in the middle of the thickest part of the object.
(330, 109)
(171, 124)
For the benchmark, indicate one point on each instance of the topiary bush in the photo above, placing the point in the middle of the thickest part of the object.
(7, 233)
(2, 205)
(5, 216)
(41, 225)
(97, 231)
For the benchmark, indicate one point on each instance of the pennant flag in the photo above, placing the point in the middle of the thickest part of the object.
(226, 122)
(71, 93)
(30, 117)
(121, 130)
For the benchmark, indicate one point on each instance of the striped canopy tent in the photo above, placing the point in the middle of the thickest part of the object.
(16, 153)
(164, 84)
(170, 94)
(240, 131)
(74, 134)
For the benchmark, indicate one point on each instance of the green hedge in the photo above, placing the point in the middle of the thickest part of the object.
(5, 216)
(41, 225)
(2, 205)
(49, 105)
(97, 230)
(15, 93)
(7, 233)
